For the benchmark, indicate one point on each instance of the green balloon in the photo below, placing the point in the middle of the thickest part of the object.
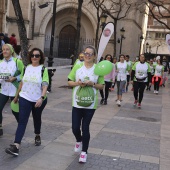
(103, 68)
(15, 106)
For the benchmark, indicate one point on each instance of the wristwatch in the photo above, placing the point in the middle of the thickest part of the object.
(94, 84)
(42, 97)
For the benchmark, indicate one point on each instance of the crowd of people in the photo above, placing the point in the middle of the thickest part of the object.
(28, 87)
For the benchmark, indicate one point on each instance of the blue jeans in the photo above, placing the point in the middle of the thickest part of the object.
(82, 116)
(25, 108)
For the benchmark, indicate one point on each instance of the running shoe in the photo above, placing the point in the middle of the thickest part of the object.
(83, 157)
(135, 102)
(156, 92)
(105, 102)
(12, 150)
(37, 140)
(118, 103)
(78, 147)
(139, 105)
(1, 131)
(102, 100)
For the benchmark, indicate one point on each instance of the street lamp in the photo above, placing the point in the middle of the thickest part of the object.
(158, 45)
(141, 39)
(150, 49)
(122, 33)
(147, 46)
(103, 18)
(50, 57)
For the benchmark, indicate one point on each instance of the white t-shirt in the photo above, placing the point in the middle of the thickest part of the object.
(32, 83)
(158, 70)
(141, 71)
(9, 68)
(80, 72)
(122, 69)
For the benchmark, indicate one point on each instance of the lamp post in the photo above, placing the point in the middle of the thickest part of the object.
(147, 46)
(50, 57)
(122, 32)
(103, 18)
(141, 39)
(150, 49)
(158, 45)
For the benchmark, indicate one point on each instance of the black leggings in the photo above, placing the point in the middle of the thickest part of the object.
(3, 100)
(107, 86)
(139, 87)
(81, 119)
(156, 83)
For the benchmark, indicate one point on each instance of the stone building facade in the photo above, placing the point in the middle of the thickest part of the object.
(38, 24)
(156, 33)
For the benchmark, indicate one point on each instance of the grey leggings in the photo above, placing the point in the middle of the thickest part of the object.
(120, 86)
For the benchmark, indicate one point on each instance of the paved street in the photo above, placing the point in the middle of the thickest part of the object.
(122, 138)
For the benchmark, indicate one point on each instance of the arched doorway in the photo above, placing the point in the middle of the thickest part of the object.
(66, 41)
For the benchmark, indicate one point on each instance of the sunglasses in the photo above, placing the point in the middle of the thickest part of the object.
(35, 55)
(88, 54)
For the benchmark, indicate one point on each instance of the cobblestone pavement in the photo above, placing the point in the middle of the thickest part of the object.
(122, 138)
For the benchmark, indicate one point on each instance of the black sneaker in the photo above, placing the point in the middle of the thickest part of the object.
(12, 150)
(1, 131)
(102, 100)
(37, 140)
(105, 102)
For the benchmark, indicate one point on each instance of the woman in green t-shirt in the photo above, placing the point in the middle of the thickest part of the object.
(84, 100)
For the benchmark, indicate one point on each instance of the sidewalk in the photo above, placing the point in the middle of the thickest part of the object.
(122, 138)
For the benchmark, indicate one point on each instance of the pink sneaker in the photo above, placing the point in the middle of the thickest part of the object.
(78, 147)
(135, 102)
(83, 157)
(139, 105)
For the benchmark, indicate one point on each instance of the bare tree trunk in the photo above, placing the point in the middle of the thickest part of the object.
(79, 12)
(115, 37)
(97, 29)
(21, 30)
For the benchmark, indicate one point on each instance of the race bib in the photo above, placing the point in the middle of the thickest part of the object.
(5, 76)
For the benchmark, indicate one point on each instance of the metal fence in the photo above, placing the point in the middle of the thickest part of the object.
(64, 48)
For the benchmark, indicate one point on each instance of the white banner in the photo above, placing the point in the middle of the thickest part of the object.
(168, 41)
(104, 39)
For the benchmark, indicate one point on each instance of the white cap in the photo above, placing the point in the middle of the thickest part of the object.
(158, 57)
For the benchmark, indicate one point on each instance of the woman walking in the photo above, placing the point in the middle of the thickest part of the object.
(152, 74)
(84, 100)
(109, 79)
(121, 68)
(10, 70)
(158, 76)
(141, 74)
(32, 98)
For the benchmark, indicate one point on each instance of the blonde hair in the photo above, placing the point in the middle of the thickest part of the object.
(11, 49)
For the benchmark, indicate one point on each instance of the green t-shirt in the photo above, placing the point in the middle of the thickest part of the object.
(141, 71)
(80, 72)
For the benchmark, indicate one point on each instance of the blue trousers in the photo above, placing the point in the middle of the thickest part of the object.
(25, 108)
(81, 118)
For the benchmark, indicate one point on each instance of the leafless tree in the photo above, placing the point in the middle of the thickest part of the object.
(79, 13)
(116, 9)
(21, 30)
(158, 10)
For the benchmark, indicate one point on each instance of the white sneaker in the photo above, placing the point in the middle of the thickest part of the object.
(83, 157)
(78, 147)
(118, 103)
(154, 91)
